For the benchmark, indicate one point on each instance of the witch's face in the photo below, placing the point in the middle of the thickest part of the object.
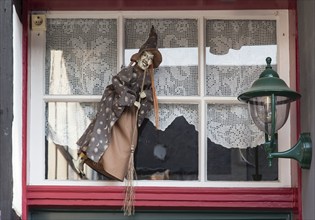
(145, 60)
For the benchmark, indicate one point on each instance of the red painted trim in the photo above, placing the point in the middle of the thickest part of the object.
(24, 108)
(298, 115)
(164, 197)
(159, 5)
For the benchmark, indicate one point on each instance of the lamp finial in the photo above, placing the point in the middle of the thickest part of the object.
(268, 61)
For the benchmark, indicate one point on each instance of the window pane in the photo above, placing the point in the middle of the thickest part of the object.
(236, 51)
(81, 55)
(178, 44)
(170, 152)
(234, 150)
(65, 123)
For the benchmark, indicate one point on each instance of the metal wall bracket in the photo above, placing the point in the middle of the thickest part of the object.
(302, 151)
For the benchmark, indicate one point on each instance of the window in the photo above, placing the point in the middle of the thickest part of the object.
(206, 137)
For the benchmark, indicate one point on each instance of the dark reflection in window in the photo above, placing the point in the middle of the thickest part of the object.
(233, 164)
(167, 155)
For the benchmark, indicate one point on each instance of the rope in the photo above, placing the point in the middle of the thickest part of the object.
(155, 101)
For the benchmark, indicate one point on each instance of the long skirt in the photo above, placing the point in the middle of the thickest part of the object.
(124, 135)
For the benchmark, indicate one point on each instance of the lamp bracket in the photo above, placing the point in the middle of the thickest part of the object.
(302, 151)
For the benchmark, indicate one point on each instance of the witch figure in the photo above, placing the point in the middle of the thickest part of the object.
(109, 142)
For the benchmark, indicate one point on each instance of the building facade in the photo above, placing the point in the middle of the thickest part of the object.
(208, 177)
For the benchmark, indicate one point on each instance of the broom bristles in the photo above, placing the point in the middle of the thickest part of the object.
(129, 206)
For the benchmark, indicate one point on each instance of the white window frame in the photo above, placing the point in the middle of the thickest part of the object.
(37, 97)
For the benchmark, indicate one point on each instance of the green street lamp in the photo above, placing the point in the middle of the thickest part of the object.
(269, 101)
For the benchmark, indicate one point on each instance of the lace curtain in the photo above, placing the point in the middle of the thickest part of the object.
(231, 127)
(169, 112)
(81, 56)
(81, 59)
(224, 35)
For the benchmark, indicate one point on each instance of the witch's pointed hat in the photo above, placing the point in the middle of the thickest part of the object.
(151, 46)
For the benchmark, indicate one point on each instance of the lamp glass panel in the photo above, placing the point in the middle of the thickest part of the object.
(261, 112)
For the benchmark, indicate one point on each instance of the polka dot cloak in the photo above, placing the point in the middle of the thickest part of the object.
(118, 96)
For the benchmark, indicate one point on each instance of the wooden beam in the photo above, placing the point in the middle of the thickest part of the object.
(6, 108)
